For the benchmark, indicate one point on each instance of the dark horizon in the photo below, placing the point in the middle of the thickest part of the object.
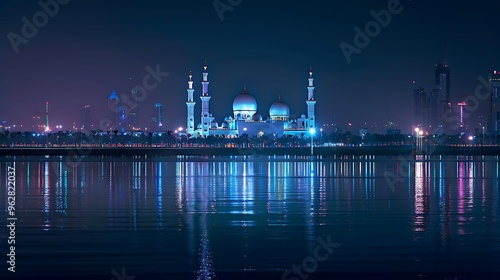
(88, 49)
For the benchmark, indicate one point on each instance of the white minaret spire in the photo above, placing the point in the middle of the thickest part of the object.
(205, 99)
(190, 106)
(310, 101)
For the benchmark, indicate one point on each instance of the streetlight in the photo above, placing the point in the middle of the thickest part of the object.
(321, 137)
(483, 137)
(417, 130)
(312, 131)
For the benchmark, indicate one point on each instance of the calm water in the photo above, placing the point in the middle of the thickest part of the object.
(255, 218)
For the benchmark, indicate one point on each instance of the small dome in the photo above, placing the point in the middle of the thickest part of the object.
(256, 117)
(279, 110)
(213, 124)
(303, 116)
(199, 126)
(225, 124)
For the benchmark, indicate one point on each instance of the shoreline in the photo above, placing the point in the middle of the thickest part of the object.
(302, 151)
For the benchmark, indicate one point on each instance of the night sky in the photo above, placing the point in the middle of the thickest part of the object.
(90, 48)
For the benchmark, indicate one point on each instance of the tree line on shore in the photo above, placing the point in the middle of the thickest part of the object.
(172, 139)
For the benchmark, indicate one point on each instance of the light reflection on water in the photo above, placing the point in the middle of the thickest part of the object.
(203, 216)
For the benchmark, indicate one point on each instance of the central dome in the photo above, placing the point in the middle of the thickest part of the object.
(279, 110)
(244, 104)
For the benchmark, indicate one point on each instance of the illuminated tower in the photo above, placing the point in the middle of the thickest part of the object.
(494, 112)
(205, 99)
(114, 111)
(47, 127)
(159, 114)
(310, 102)
(190, 106)
(461, 116)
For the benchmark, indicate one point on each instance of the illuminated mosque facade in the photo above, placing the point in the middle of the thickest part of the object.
(246, 119)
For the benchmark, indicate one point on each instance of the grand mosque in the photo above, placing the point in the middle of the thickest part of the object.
(246, 119)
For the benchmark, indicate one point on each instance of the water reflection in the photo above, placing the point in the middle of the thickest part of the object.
(268, 210)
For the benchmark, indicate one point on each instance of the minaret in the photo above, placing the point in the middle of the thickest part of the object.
(205, 99)
(310, 101)
(190, 106)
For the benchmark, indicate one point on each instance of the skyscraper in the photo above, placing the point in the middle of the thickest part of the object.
(494, 110)
(461, 116)
(159, 115)
(442, 88)
(113, 111)
(86, 119)
(425, 109)
(419, 104)
(442, 76)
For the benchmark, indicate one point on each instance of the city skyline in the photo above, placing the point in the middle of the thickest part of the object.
(72, 63)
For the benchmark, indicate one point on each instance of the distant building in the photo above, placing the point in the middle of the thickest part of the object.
(392, 129)
(113, 111)
(461, 116)
(132, 121)
(442, 78)
(443, 91)
(37, 123)
(159, 115)
(86, 119)
(494, 110)
(425, 109)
